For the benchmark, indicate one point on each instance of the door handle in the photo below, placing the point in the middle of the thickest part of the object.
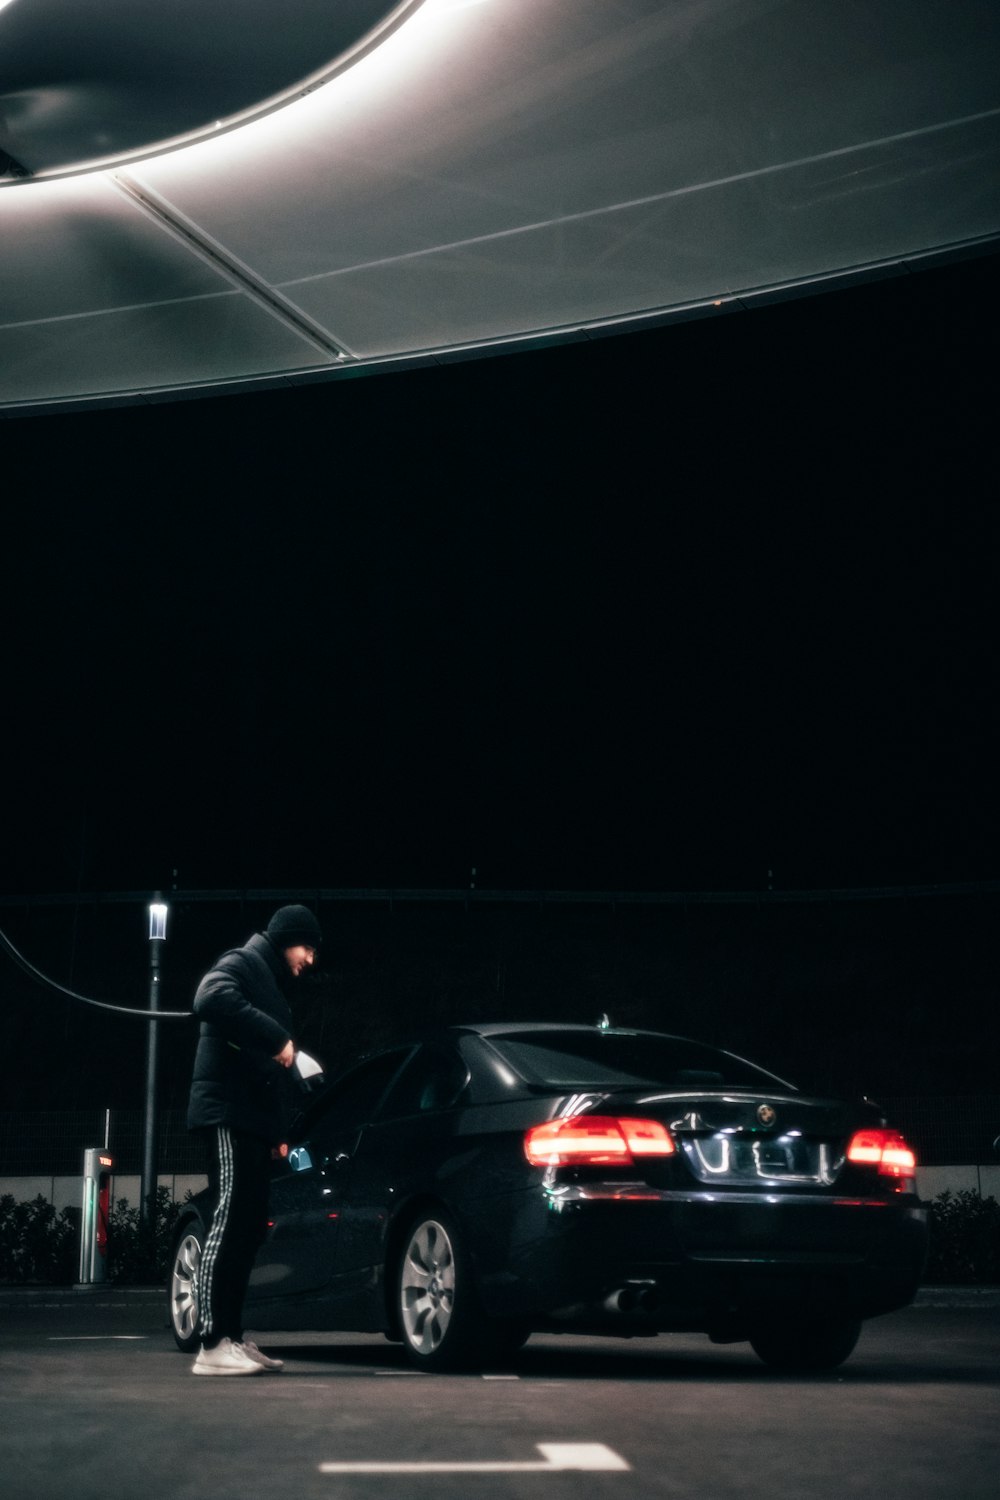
(330, 1163)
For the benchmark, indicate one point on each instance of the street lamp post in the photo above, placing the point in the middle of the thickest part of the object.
(147, 1192)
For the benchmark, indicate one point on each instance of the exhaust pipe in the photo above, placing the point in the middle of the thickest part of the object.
(635, 1296)
(625, 1300)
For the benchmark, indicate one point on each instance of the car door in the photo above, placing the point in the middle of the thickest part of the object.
(310, 1193)
(405, 1150)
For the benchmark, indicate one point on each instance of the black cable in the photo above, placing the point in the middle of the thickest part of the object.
(121, 1010)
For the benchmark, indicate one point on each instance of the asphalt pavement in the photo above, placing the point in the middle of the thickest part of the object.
(96, 1401)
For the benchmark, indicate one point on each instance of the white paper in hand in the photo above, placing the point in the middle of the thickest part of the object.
(308, 1071)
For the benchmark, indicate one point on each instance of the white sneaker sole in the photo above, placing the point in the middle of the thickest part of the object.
(255, 1369)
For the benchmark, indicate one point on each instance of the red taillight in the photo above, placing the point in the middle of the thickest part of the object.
(885, 1149)
(595, 1140)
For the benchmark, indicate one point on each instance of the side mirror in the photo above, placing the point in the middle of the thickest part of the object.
(299, 1159)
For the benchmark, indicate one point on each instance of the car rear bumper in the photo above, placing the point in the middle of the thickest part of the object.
(649, 1261)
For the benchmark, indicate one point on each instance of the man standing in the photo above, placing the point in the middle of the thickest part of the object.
(238, 1096)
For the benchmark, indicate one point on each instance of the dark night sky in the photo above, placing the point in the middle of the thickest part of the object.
(660, 611)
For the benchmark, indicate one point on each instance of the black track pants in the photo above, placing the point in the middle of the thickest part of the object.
(239, 1171)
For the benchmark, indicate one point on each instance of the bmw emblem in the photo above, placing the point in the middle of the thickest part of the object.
(766, 1114)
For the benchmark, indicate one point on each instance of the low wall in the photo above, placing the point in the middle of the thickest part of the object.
(984, 1180)
(67, 1192)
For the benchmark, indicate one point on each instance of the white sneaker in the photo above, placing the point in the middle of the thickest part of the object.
(266, 1363)
(227, 1358)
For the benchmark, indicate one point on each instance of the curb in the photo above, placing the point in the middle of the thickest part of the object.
(927, 1296)
(125, 1295)
(958, 1296)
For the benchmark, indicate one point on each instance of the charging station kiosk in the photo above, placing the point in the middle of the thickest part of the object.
(98, 1166)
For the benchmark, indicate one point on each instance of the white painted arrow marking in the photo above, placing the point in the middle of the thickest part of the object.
(592, 1457)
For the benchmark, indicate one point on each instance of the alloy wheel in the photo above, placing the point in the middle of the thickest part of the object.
(185, 1304)
(427, 1287)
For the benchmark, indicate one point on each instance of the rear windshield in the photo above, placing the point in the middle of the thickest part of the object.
(625, 1060)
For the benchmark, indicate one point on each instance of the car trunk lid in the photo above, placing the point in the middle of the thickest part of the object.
(739, 1139)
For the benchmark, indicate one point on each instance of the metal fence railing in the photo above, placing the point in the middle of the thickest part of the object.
(52, 1142)
(946, 1130)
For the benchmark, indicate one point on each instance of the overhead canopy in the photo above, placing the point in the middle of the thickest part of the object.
(388, 183)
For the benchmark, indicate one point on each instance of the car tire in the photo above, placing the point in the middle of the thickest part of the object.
(810, 1345)
(183, 1292)
(441, 1320)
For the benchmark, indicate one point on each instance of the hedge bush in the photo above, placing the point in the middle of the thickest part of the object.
(130, 1258)
(36, 1242)
(964, 1239)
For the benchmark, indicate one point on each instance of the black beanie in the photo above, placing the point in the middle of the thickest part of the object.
(294, 926)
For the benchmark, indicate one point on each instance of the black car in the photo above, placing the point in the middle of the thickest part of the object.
(490, 1181)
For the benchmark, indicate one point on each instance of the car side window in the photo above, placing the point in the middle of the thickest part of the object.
(431, 1080)
(352, 1101)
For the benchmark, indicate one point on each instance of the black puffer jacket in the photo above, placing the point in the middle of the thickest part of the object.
(245, 1022)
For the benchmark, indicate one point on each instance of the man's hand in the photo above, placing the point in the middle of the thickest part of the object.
(287, 1054)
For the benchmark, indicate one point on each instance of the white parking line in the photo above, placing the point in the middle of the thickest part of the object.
(556, 1457)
